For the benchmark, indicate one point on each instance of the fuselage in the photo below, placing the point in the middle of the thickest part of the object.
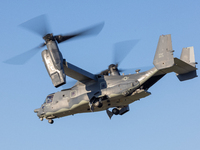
(113, 91)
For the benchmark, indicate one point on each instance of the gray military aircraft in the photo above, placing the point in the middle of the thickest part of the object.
(108, 89)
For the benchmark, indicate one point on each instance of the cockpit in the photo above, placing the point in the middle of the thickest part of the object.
(49, 99)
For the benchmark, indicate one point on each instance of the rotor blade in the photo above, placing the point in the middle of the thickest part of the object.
(22, 58)
(122, 49)
(38, 25)
(104, 72)
(94, 30)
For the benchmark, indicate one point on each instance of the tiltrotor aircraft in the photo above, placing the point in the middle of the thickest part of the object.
(108, 89)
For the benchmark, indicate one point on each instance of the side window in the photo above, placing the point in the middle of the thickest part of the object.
(49, 99)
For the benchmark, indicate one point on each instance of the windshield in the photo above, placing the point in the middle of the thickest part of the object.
(49, 99)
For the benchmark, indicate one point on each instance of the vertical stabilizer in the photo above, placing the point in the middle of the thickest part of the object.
(187, 56)
(164, 53)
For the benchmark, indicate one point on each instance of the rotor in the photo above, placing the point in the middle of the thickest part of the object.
(120, 51)
(40, 26)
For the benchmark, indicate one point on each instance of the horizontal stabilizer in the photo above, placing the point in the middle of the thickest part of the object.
(77, 73)
(182, 70)
(187, 76)
(181, 67)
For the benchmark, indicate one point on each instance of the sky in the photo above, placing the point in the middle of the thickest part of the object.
(167, 119)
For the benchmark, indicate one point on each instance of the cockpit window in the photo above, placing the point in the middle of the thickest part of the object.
(49, 99)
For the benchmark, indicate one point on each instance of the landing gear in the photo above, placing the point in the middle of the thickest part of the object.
(95, 102)
(98, 104)
(115, 111)
(50, 121)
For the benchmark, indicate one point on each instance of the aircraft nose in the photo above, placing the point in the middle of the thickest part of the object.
(36, 110)
(39, 113)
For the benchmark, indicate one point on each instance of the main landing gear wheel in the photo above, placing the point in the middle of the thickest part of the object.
(98, 104)
(115, 111)
(50, 121)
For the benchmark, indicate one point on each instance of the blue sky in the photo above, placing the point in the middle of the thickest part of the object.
(167, 119)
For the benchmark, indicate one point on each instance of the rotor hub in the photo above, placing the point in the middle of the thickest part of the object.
(113, 67)
(48, 37)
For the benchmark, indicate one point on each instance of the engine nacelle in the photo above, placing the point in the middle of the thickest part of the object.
(55, 70)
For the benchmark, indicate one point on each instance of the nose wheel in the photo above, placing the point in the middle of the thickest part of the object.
(50, 121)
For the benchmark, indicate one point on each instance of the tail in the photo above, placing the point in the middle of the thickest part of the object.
(164, 61)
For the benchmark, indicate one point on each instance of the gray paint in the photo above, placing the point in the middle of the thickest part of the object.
(114, 91)
(164, 53)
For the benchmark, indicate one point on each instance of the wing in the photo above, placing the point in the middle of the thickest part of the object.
(77, 73)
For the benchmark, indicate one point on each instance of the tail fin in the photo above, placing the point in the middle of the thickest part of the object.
(164, 60)
(164, 53)
(187, 56)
